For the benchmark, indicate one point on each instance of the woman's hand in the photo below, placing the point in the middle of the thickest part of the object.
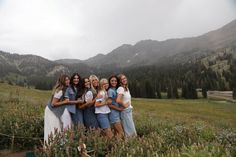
(80, 101)
(66, 101)
(125, 105)
(121, 108)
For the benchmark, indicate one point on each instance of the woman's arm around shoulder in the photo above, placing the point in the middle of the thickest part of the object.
(100, 99)
(119, 99)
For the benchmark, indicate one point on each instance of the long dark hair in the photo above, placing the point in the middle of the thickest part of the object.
(78, 86)
(117, 79)
(85, 90)
(83, 84)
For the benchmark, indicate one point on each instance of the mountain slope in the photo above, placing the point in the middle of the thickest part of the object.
(35, 70)
(148, 52)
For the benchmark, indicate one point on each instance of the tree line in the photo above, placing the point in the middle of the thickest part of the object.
(181, 80)
(170, 80)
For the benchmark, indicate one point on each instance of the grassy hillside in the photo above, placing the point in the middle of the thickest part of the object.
(24, 93)
(164, 126)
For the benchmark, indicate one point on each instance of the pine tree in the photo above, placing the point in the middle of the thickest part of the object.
(233, 77)
(158, 91)
(149, 89)
(175, 92)
(169, 92)
(204, 92)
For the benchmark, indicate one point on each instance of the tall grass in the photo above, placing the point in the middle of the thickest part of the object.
(165, 128)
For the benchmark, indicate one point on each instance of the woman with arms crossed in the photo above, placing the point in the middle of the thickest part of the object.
(124, 99)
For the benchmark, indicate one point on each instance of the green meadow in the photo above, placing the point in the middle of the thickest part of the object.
(166, 127)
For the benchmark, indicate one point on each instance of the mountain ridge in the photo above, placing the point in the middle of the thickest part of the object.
(143, 53)
(151, 51)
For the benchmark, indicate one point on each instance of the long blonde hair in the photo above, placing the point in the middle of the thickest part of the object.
(91, 78)
(101, 83)
(60, 84)
(101, 89)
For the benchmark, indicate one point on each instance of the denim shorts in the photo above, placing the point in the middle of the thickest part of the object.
(114, 116)
(103, 120)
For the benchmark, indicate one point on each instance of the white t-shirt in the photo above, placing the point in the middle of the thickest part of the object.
(88, 96)
(125, 96)
(102, 109)
(58, 94)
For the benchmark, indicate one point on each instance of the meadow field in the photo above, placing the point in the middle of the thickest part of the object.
(166, 127)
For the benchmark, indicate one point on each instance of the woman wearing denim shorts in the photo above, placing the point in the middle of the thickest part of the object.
(101, 108)
(114, 115)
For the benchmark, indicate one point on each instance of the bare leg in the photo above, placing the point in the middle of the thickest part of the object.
(108, 132)
(119, 132)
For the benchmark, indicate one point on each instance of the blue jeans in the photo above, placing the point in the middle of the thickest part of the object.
(78, 117)
(128, 123)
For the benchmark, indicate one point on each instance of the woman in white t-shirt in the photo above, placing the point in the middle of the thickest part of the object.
(124, 99)
(101, 107)
(56, 116)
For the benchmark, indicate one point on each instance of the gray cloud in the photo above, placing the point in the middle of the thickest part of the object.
(82, 28)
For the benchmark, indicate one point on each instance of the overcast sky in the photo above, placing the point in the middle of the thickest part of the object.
(80, 29)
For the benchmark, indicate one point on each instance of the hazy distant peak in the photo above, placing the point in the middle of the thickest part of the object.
(100, 55)
(230, 25)
(95, 58)
(146, 41)
(124, 46)
(152, 51)
(68, 61)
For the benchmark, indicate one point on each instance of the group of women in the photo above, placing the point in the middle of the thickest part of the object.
(104, 104)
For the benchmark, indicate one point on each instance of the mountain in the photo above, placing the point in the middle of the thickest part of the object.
(32, 69)
(25, 64)
(149, 52)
